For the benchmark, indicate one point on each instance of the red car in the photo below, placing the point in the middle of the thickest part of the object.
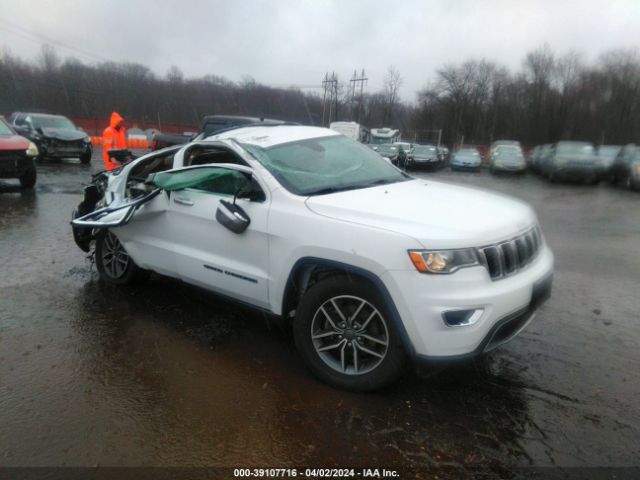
(17, 156)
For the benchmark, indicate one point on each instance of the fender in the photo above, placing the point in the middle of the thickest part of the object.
(382, 291)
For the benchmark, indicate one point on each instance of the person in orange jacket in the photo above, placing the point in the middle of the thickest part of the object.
(114, 137)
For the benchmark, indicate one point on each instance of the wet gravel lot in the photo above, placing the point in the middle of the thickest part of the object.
(166, 374)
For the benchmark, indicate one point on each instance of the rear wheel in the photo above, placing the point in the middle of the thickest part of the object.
(28, 179)
(346, 336)
(114, 263)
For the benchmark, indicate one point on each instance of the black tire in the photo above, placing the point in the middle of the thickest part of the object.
(375, 371)
(85, 158)
(126, 273)
(28, 179)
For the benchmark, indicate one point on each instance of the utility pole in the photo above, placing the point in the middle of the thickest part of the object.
(330, 86)
(355, 81)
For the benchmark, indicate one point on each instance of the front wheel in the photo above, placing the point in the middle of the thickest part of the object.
(114, 263)
(85, 158)
(346, 336)
(28, 178)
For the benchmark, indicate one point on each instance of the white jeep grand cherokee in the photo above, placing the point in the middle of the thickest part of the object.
(369, 265)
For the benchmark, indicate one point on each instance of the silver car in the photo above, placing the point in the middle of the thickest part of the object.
(507, 158)
(424, 156)
(466, 159)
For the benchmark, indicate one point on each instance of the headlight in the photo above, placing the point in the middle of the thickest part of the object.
(443, 261)
(32, 151)
(636, 168)
(86, 139)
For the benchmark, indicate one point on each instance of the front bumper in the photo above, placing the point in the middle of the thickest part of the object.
(509, 168)
(14, 165)
(570, 172)
(507, 305)
(423, 161)
(465, 166)
(62, 149)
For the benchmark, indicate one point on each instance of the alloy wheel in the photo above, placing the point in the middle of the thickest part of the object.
(350, 335)
(115, 258)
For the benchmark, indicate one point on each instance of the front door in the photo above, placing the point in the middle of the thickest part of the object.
(210, 255)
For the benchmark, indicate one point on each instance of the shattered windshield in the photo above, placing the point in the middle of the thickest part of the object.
(62, 123)
(325, 165)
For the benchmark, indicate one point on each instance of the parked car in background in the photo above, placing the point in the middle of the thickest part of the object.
(506, 156)
(55, 135)
(466, 159)
(572, 161)
(367, 265)
(425, 156)
(625, 167)
(388, 151)
(209, 125)
(407, 148)
(607, 155)
(17, 156)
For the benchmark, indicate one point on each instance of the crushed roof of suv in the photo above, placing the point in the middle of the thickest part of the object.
(266, 137)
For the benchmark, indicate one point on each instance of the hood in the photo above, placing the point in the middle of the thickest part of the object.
(13, 142)
(438, 215)
(576, 157)
(467, 159)
(427, 156)
(65, 134)
(517, 159)
(115, 120)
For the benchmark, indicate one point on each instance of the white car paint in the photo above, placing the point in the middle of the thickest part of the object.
(370, 229)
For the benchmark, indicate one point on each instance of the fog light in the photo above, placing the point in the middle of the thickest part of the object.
(461, 318)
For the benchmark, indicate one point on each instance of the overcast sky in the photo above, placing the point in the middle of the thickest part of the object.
(287, 42)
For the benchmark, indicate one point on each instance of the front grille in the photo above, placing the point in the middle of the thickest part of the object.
(12, 154)
(508, 257)
(65, 144)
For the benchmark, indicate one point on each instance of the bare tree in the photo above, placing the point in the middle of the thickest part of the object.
(391, 87)
(48, 58)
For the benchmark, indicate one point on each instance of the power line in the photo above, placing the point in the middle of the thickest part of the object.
(21, 31)
(330, 85)
(355, 81)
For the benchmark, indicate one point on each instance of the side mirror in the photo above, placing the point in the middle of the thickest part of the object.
(232, 216)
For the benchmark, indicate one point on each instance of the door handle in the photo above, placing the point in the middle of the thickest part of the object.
(183, 201)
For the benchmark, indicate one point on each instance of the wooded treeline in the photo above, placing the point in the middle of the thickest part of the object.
(551, 97)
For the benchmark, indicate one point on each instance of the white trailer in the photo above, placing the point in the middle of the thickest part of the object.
(384, 135)
(352, 130)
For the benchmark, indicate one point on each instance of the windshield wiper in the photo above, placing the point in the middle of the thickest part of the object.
(355, 186)
(374, 183)
(326, 190)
